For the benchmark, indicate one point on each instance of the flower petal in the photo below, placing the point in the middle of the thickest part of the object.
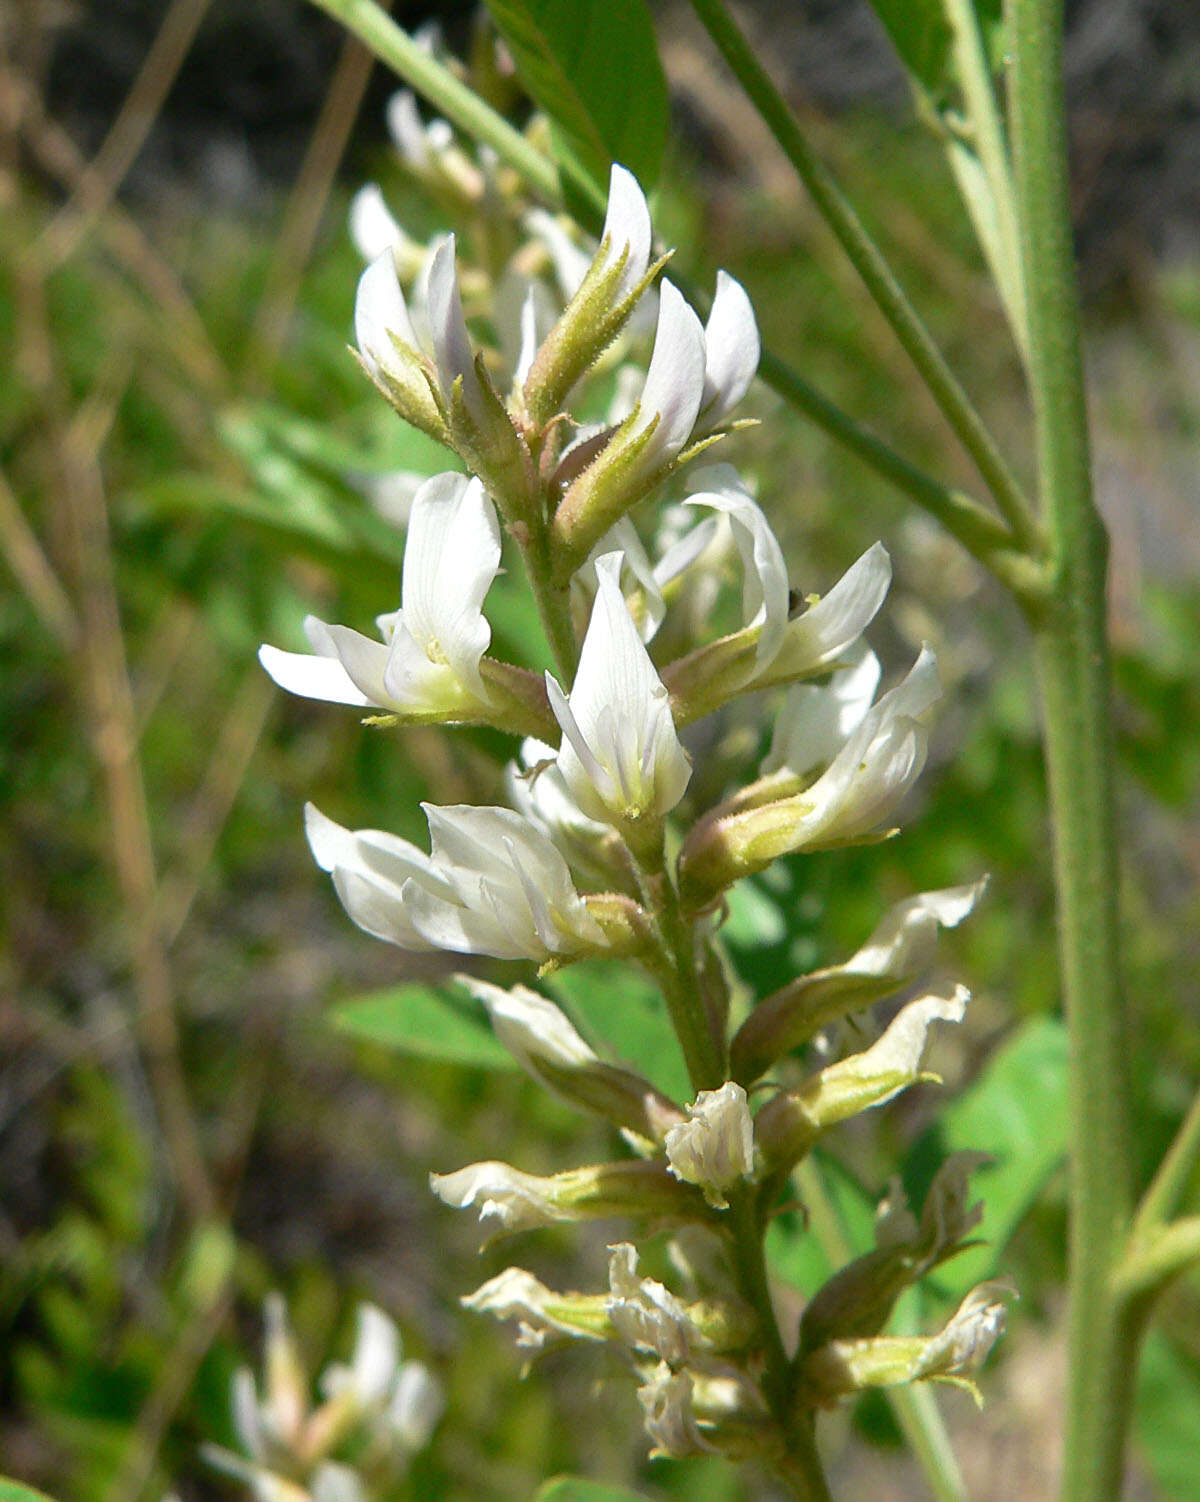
(627, 229)
(620, 756)
(765, 586)
(450, 560)
(372, 226)
(675, 380)
(731, 351)
(448, 329)
(814, 722)
(829, 627)
(381, 316)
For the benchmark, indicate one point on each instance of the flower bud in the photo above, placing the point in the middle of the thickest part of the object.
(843, 1367)
(543, 1041)
(715, 1147)
(901, 947)
(508, 1200)
(646, 446)
(787, 1125)
(601, 304)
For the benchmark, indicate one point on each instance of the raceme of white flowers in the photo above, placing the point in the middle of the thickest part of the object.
(293, 1450)
(603, 850)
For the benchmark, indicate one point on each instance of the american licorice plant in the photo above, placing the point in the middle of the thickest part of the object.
(663, 595)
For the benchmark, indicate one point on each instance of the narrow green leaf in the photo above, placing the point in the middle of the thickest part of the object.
(593, 67)
(426, 1023)
(575, 1489)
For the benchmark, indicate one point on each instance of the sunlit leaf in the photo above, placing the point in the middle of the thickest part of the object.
(593, 67)
(426, 1023)
(624, 1011)
(1016, 1111)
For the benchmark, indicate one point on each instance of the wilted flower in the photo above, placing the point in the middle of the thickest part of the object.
(645, 1313)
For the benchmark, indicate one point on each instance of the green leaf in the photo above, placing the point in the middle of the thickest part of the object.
(794, 1249)
(1167, 1416)
(921, 34)
(1016, 1112)
(624, 1009)
(593, 67)
(426, 1023)
(17, 1491)
(575, 1489)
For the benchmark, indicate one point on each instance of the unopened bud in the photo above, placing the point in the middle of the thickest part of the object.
(787, 1125)
(715, 1147)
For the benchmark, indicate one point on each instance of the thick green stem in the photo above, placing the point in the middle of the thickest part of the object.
(800, 1465)
(1073, 670)
(876, 274)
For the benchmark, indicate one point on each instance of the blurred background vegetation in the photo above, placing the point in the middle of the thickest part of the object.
(196, 1104)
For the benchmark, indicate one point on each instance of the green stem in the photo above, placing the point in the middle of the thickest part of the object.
(1151, 1262)
(392, 45)
(801, 1466)
(876, 274)
(1174, 1176)
(703, 1052)
(553, 605)
(1073, 667)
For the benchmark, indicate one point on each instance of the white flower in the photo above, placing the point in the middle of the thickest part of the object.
(787, 648)
(334, 1482)
(371, 1373)
(905, 940)
(645, 1313)
(428, 662)
(541, 1314)
(873, 769)
(400, 348)
(731, 352)
(715, 1147)
(620, 756)
(815, 722)
(674, 385)
(627, 231)
(374, 229)
(419, 144)
(416, 1405)
(492, 885)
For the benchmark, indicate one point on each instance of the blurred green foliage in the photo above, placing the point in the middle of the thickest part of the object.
(329, 1075)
